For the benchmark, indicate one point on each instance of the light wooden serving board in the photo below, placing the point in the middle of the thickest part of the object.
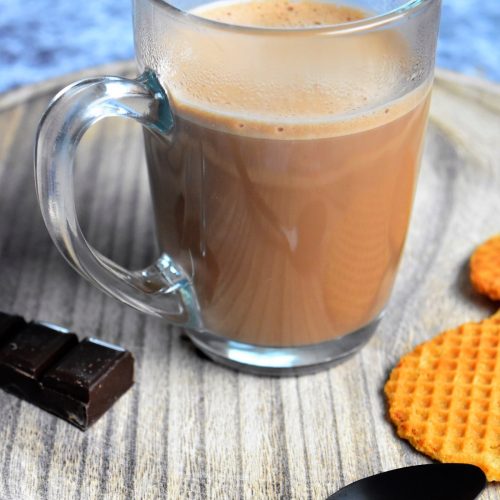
(190, 428)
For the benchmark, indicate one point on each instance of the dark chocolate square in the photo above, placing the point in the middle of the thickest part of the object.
(90, 369)
(8, 325)
(34, 348)
(45, 365)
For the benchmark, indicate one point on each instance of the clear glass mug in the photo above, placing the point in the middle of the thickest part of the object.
(282, 165)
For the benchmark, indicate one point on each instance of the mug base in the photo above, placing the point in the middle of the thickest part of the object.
(281, 361)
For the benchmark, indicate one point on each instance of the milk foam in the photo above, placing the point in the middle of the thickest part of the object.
(289, 85)
(279, 13)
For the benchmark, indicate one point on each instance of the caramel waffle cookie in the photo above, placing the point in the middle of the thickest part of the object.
(444, 397)
(485, 268)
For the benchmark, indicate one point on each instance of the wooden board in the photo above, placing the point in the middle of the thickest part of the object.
(190, 428)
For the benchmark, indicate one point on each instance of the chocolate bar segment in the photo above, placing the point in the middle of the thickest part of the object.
(46, 365)
(33, 348)
(30, 349)
(88, 380)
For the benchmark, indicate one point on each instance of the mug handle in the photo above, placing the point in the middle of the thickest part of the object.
(162, 289)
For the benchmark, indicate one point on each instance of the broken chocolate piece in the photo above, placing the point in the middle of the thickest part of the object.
(46, 365)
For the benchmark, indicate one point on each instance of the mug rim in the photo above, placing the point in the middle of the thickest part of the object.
(376, 21)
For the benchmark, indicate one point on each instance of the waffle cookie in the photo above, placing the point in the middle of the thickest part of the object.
(485, 268)
(444, 397)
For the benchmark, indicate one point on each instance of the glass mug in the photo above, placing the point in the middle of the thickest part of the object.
(282, 162)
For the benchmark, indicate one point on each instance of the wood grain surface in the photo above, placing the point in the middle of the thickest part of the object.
(190, 428)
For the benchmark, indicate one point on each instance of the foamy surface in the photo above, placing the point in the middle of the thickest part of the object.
(279, 13)
(303, 128)
(289, 87)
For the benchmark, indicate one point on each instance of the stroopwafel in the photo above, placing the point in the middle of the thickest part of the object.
(485, 268)
(444, 397)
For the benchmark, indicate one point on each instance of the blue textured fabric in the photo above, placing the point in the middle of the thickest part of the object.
(40, 39)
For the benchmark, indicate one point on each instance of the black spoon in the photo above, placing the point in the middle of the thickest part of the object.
(420, 482)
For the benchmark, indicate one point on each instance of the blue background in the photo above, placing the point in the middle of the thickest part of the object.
(40, 39)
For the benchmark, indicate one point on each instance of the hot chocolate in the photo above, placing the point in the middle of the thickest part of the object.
(288, 205)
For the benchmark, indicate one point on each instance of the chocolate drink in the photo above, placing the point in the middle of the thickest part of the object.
(288, 206)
